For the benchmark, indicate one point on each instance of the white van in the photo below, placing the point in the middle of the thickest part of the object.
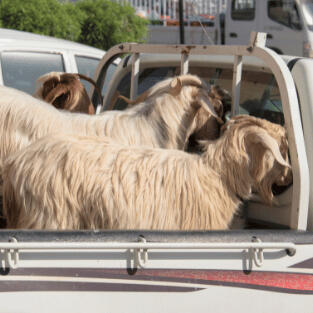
(288, 24)
(26, 56)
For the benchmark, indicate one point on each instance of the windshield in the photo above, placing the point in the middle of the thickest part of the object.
(308, 13)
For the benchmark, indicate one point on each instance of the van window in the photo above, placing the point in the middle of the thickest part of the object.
(20, 70)
(243, 10)
(284, 12)
(87, 66)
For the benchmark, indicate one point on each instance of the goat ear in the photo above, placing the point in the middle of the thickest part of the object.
(44, 79)
(176, 86)
(258, 142)
(218, 106)
(208, 106)
(40, 86)
(127, 100)
(269, 143)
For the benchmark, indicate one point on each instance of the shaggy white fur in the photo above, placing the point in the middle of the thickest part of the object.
(78, 182)
(165, 120)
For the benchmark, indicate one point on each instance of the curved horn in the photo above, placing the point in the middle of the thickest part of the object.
(176, 86)
(208, 106)
(139, 99)
(270, 143)
(88, 79)
(192, 80)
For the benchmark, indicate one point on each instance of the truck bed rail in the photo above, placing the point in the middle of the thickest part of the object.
(298, 214)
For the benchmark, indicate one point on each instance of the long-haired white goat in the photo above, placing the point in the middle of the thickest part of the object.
(78, 182)
(165, 119)
(206, 128)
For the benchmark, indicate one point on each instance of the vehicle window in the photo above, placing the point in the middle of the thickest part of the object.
(20, 70)
(259, 94)
(147, 78)
(243, 10)
(88, 66)
(284, 12)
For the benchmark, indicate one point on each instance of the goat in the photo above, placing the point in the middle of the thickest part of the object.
(65, 91)
(79, 182)
(165, 120)
(220, 100)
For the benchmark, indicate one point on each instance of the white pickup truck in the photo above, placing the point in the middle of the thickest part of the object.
(266, 267)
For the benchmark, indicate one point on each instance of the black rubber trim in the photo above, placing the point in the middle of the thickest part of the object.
(292, 63)
(125, 60)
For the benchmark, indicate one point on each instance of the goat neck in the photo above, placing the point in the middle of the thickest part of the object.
(170, 115)
(233, 167)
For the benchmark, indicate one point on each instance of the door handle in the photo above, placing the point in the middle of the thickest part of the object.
(233, 35)
(269, 36)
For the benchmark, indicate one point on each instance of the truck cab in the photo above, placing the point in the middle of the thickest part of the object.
(288, 24)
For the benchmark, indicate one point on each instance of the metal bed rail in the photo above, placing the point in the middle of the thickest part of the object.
(300, 197)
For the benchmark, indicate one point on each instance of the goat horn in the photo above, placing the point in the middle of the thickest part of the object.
(88, 79)
(191, 80)
(139, 99)
(269, 142)
(207, 105)
(176, 86)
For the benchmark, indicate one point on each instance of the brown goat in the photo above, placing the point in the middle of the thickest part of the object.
(65, 91)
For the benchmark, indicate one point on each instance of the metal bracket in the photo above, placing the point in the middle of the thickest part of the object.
(257, 39)
(11, 256)
(257, 253)
(237, 74)
(135, 76)
(184, 66)
(141, 255)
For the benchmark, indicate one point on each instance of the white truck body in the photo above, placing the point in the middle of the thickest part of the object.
(258, 270)
(213, 271)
